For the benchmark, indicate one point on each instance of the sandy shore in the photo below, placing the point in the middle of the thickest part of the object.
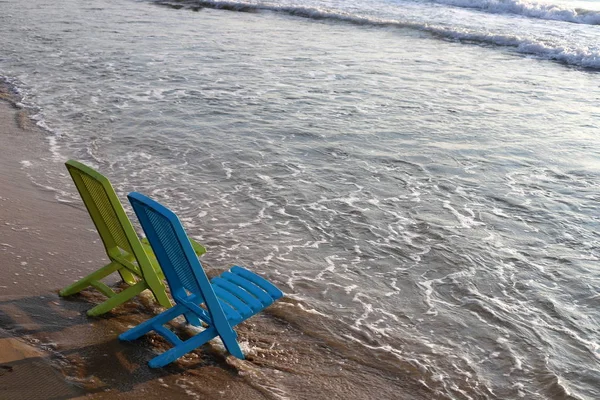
(33, 240)
(49, 349)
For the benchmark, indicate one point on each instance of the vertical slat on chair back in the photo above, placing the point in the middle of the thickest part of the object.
(167, 248)
(95, 190)
(171, 247)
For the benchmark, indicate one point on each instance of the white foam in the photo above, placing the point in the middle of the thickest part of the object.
(505, 344)
(530, 9)
(393, 284)
(53, 146)
(330, 266)
(269, 180)
(312, 311)
(350, 288)
(428, 285)
(465, 221)
(52, 138)
(387, 348)
(228, 171)
(368, 308)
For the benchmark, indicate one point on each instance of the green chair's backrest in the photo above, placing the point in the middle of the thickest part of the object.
(105, 209)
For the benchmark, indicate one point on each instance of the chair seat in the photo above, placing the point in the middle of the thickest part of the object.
(242, 293)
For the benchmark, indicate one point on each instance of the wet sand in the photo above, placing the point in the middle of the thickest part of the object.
(49, 349)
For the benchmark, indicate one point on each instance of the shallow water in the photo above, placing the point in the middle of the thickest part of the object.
(432, 201)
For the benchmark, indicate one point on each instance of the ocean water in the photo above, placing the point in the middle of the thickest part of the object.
(422, 175)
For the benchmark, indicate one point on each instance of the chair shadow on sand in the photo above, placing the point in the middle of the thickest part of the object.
(86, 350)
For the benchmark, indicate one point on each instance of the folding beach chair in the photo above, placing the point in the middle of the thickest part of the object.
(220, 304)
(131, 258)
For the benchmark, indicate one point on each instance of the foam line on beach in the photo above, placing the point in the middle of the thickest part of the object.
(581, 57)
(551, 12)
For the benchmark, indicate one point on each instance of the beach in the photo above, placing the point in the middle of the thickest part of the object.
(420, 178)
(33, 238)
(51, 350)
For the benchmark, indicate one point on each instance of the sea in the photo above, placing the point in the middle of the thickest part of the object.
(421, 176)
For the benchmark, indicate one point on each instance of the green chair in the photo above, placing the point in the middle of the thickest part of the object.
(131, 257)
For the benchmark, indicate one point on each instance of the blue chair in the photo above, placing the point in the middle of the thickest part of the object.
(227, 300)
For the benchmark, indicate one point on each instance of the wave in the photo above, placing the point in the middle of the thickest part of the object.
(529, 9)
(580, 57)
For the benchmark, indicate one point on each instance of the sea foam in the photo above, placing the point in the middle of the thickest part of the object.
(582, 56)
(529, 9)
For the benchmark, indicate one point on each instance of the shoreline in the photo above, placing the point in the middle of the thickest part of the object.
(26, 248)
(45, 245)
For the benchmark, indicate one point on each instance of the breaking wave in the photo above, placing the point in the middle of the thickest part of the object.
(529, 9)
(577, 56)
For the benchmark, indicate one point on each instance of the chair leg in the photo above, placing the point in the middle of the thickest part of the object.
(127, 276)
(203, 337)
(161, 296)
(192, 319)
(174, 353)
(148, 325)
(85, 282)
(158, 290)
(230, 342)
(118, 299)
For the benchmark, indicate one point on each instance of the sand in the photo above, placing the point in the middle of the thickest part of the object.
(28, 246)
(49, 349)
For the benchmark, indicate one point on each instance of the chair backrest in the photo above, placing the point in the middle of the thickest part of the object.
(106, 211)
(176, 255)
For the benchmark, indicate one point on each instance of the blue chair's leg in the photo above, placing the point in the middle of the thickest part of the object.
(226, 332)
(174, 353)
(192, 319)
(230, 341)
(148, 325)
